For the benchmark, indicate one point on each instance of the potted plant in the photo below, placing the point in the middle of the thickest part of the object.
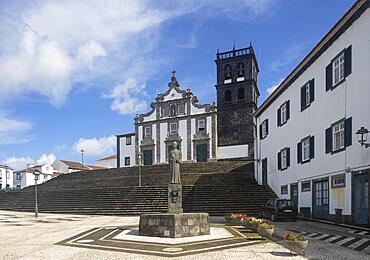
(237, 218)
(253, 223)
(265, 230)
(296, 244)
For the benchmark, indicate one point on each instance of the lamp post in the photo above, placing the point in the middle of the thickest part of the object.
(139, 157)
(82, 158)
(37, 174)
(362, 136)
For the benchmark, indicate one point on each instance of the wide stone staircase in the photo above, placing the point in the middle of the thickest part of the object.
(214, 187)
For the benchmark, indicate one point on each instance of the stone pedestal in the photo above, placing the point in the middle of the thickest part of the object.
(175, 198)
(174, 225)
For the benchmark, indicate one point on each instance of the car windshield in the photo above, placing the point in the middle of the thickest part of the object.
(285, 204)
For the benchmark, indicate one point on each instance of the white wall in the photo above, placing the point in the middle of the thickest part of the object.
(350, 99)
(6, 178)
(234, 151)
(126, 151)
(111, 163)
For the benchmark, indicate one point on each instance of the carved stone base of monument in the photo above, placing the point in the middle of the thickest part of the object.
(174, 225)
(175, 198)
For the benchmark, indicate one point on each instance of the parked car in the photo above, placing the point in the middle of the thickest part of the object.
(275, 209)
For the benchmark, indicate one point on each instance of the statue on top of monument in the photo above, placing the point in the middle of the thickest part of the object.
(175, 158)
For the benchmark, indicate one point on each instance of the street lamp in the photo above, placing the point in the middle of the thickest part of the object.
(82, 158)
(37, 174)
(362, 136)
(139, 157)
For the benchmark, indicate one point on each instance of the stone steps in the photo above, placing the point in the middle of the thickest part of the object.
(216, 188)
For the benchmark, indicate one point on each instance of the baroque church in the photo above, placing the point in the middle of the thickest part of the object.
(203, 132)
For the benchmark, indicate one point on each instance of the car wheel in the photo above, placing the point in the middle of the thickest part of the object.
(273, 217)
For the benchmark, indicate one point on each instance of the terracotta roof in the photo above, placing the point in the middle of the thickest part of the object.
(338, 29)
(75, 165)
(108, 158)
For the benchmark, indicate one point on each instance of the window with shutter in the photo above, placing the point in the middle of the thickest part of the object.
(312, 147)
(306, 150)
(264, 129)
(279, 160)
(348, 61)
(338, 136)
(312, 90)
(299, 152)
(348, 132)
(328, 140)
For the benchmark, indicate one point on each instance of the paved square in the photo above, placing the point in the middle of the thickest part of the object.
(24, 237)
(126, 239)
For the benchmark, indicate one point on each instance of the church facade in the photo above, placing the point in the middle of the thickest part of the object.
(203, 132)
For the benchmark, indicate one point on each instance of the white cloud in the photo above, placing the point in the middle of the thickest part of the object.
(13, 131)
(46, 159)
(274, 86)
(289, 56)
(54, 44)
(20, 163)
(96, 147)
(126, 97)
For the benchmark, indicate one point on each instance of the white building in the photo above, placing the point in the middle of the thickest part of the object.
(6, 177)
(107, 162)
(306, 146)
(175, 116)
(26, 177)
(64, 166)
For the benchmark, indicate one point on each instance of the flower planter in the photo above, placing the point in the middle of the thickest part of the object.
(254, 226)
(265, 232)
(297, 247)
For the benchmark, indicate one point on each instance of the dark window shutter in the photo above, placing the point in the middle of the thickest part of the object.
(278, 117)
(287, 110)
(312, 147)
(348, 132)
(303, 98)
(329, 77)
(261, 130)
(279, 160)
(299, 152)
(348, 61)
(287, 157)
(312, 90)
(267, 126)
(328, 140)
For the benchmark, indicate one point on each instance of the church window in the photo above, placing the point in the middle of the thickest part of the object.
(241, 94)
(201, 125)
(173, 128)
(228, 95)
(235, 135)
(240, 69)
(148, 131)
(128, 140)
(165, 111)
(227, 71)
(181, 109)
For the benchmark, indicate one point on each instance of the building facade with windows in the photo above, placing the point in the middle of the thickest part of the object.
(6, 177)
(306, 146)
(203, 132)
(26, 177)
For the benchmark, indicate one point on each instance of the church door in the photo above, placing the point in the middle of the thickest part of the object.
(148, 157)
(201, 152)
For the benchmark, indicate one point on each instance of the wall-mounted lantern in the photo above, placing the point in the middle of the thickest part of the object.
(362, 136)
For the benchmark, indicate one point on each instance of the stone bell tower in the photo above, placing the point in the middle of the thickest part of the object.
(237, 97)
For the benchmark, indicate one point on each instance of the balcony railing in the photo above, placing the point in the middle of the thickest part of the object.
(234, 53)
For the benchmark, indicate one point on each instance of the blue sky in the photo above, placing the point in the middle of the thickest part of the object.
(73, 73)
